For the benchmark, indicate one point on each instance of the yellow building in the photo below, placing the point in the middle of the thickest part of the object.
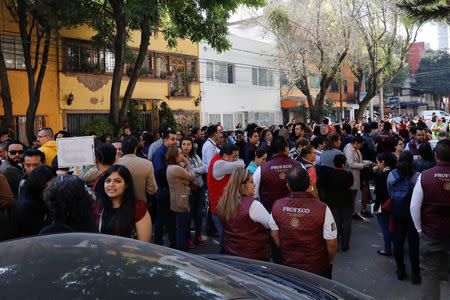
(78, 79)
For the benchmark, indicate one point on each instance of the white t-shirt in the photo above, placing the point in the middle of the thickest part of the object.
(329, 226)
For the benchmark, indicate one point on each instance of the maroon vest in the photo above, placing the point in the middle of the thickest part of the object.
(300, 218)
(436, 201)
(412, 147)
(273, 179)
(243, 236)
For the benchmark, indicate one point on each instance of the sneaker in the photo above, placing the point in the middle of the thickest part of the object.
(190, 244)
(366, 214)
(200, 241)
(355, 216)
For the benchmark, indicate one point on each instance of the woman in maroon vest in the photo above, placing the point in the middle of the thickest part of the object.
(244, 219)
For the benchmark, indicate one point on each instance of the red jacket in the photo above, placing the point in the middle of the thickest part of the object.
(215, 187)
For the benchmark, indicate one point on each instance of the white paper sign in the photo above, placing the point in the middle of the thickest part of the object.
(75, 151)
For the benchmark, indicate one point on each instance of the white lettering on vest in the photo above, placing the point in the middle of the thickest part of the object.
(441, 175)
(281, 167)
(296, 209)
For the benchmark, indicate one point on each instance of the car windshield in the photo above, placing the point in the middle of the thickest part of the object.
(71, 266)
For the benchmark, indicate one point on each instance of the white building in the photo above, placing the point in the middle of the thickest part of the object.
(241, 85)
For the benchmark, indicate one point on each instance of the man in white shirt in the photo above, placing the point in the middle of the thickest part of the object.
(210, 149)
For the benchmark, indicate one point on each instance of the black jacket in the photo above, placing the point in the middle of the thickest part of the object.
(381, 191)
(335, 187)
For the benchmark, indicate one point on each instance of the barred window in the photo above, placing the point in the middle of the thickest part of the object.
(12, 52)
(82, 56)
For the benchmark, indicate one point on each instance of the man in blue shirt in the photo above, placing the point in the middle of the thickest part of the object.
(164, 217)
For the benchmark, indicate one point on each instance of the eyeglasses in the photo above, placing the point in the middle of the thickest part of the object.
(14, 152)
(41, 136)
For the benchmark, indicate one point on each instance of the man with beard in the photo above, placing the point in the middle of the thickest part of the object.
(416, 142)
(11, 167)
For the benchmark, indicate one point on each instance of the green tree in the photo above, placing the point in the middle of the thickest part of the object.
(37, 21)
(386, 36)
(174, 19)
(166, 116)
(426, 10)
(314, 38)
(433, 75)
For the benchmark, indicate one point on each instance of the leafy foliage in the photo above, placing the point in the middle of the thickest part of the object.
(166, 116)
(100, 126)
(134, 116)
(426, 10)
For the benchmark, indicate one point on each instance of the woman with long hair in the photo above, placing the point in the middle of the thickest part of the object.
(330, 150)
(117, 210)
(70, 206)
(386, 162)
(399, 147)
(400, 183)
(244, 219)
(179, 178)
(31, 210)
(197, 196)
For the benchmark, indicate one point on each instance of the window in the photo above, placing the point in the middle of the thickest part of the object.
(345, 86)
(220, 72)
(355, 86)
(334, 87)
(17, 127)
(254, 76)
(228, 121)
(12, 52)
(284, 80)
(82, 56)
(180, 70)
(214, 119)
(210, 71)
(264, 118)
(315, 82)
(262, 77)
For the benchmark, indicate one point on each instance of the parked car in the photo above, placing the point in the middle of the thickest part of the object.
(94, 266)
(426, 114)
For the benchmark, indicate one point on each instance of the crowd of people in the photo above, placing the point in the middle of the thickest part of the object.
(285, 194)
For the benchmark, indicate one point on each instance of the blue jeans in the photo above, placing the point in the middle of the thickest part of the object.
(383, 221)
(221, 233)
(182, 230)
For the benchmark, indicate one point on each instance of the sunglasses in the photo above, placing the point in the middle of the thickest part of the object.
(14, 152)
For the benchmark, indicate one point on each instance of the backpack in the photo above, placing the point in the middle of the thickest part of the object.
(401, 192)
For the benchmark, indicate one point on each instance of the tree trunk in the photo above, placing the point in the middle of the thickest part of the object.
(35, 89)
(5, 94)
(119, 56)
(145, 41)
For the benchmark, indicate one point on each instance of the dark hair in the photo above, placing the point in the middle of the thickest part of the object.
(14, 142)
(92, 133)
(298, 179)
(443, 150)
(413, 130)
(171, 155)
(301, 142)
(34, 185)
(278, 144)
(56, 167)
(426, 152)
(69, 202)
(347, 128)
(228, 149)
(166, 134)
(306, 150)
(404, 134)
(211, 130)
(148, 138)
(405, 164)
(358, 139)
(367, 128)
(263, 135)
(337, 129)
(64, 134)
(250, 133)
(419, 128)
(106, 154)
(129, 144)
(330, 140)
(395, 141)
(317, 141)
(387, 126)
(258, 152)
(325, 121)
(388, 158)
(192, 152)
(339, 160)
(302, 126)
(163, 127)
(443, 134)
(34, 152)
(374, 125)
(4, 146)
(122, 218)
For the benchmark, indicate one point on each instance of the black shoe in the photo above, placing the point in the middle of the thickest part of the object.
(416, 278)
(401, 274)
(384, 253)
(366, 214)
(355, 216)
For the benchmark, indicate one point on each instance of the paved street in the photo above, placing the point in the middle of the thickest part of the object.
(361, 267)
